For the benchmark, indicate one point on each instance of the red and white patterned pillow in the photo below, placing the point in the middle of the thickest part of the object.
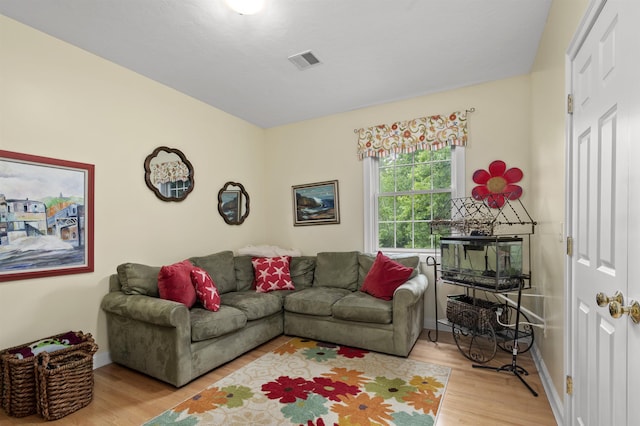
(272, 273)
(206, 289)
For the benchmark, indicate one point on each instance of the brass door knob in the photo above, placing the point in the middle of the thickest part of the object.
(603, 300)
(633, 310)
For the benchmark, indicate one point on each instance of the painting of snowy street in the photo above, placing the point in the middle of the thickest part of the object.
(46, 219)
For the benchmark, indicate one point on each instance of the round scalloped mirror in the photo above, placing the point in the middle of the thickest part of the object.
(168, 174)
(233, 203)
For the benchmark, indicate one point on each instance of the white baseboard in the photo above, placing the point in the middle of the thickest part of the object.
(101, 359)
(555, 400)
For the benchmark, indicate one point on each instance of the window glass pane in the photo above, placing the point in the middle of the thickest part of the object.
(387, 179)
(423, 177)
(442, 205)
(385, 208)
(441, 154)
(404, 207)
(441, 175)
(403, 159)
(439, 231)
(403, 235)
(386, 235)
(422, 156)
(422, 207)
(387, 161)
(404, 178)
(422, 235)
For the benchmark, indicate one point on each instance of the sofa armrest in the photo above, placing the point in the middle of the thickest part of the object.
(410, 292)
(147, 309)
(150, 335)
(408, 313)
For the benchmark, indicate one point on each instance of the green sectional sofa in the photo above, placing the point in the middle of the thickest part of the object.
(176, 344)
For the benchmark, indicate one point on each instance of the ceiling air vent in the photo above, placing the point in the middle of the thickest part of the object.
(304, 60)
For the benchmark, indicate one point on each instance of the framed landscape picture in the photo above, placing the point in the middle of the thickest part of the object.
(230, 207)
(316, 203)
(46, 216)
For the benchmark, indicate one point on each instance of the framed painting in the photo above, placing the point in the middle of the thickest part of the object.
(316, 203)
(229, 207)
(46, 216)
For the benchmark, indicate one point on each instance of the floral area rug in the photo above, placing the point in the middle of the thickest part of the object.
(310, 383)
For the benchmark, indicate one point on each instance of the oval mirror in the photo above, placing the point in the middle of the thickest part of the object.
(168, 174)
(233, 203)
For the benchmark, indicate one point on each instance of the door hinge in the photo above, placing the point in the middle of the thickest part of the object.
(569, 104)
(569, 385)
(569, 246)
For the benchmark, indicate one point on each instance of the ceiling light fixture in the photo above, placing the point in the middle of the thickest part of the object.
(246, 7)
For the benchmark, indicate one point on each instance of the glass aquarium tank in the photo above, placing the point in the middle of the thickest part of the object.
(490, 262)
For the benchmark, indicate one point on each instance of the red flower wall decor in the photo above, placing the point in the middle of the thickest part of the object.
(496, 184)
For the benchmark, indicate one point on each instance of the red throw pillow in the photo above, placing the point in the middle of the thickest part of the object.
(384, 277)
(206, 289)
(174, 283)
(272, 273)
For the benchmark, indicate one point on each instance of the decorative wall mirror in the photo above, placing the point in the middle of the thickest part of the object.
(233, 203)
(168, 174)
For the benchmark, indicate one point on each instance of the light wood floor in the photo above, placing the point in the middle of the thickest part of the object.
(473, 397)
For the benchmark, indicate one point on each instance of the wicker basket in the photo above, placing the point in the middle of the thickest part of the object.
(64, 383)
(18, 379)
(473, 313)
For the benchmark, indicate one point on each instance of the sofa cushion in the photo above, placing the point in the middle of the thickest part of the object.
(207, 324)
(174, 283)
(253, 304)
(138, 279)
(314, 300)
(272, 273)
(363, 307)
(337, 269)
(221, 269)
(282, 294)
(301, 269)
(206, 290)
(384, 277)
(245, 279)
(365, 262)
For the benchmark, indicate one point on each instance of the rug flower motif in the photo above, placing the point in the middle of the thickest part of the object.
(311, 383)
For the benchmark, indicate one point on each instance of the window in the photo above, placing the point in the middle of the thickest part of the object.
(175, 189)
(405, 192)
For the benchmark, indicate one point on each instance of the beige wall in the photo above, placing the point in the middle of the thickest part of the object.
(548, 176)
(59, 101)
(325, 149)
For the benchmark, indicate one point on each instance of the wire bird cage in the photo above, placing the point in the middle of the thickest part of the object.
(485, 217)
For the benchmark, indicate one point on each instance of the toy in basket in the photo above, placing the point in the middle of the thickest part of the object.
(18, 372)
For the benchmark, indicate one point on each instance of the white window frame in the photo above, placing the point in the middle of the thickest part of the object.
(372, 185)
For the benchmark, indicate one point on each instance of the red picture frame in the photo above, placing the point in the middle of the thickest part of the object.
(46, 216)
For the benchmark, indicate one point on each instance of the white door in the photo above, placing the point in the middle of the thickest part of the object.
(603, 211)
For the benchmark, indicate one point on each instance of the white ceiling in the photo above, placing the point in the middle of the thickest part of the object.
(372, 51)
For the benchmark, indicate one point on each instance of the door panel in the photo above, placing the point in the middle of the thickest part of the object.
(599, 222)
(581, 349)
(606, 193)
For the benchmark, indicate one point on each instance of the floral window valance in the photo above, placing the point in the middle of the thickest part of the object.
(171, 171)
(424, 133)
